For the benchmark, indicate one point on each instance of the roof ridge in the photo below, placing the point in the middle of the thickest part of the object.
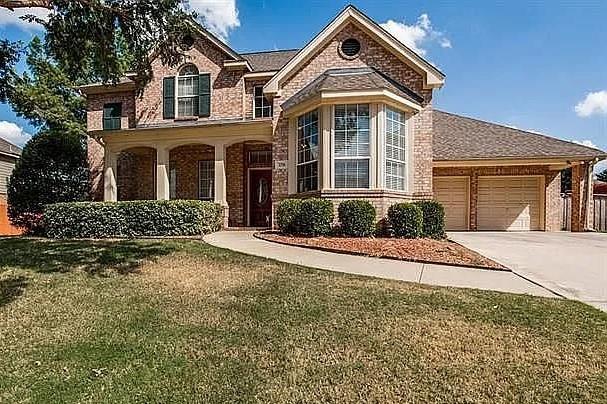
(516, 129)
(270, 51)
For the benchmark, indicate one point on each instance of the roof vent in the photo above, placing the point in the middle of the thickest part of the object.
(350, 47)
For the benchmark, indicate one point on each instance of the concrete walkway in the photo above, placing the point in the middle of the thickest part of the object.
(441, 275)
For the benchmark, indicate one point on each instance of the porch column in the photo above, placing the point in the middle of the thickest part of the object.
(162, 174)
(580, 198)
(220, 181)
(110, 189)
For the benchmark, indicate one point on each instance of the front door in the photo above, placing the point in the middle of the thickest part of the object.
(260, 198)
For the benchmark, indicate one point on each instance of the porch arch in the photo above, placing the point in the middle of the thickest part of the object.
(136, 173)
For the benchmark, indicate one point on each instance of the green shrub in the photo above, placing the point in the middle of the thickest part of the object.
(434, 219)
(305, 217)
(357, 218)
(406, 220)
(287, 215)
(315, 217)
(131, 219)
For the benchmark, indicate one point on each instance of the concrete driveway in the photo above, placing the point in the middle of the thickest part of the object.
(573, 265)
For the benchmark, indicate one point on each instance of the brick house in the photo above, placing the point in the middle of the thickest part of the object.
(347, 116)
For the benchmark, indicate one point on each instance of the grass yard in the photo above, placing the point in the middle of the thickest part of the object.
(180, 321)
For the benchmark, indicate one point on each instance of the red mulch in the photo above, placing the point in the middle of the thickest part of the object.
(418, 250)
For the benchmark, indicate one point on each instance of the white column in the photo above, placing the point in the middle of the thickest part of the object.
(380, 151)
(220, 175)
(110, 189)
(326, 155)
(162, 173)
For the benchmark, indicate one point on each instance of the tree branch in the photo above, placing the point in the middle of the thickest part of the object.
(13, 4)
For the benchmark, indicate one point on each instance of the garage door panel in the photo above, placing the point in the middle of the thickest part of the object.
(509, 203)
(452, 193)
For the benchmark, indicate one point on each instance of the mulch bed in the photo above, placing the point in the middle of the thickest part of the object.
(418, 250)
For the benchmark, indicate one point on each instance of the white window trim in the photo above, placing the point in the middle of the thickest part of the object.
(406, 150)
(317, 160)
(334, 158)
(269, 104)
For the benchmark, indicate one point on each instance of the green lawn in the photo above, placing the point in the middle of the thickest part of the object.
(180, 321)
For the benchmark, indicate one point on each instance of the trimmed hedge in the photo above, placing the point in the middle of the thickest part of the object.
(357, 218)
(406, 220)
(434, 218)
(305, 217)
(131, 219)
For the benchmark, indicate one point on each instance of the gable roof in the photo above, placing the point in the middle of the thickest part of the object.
(7, 148)
(433, 77)
(214, 40)
(457, 137)
(350, 79)
(268, 61)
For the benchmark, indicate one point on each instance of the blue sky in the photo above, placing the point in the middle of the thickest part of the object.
(526, 64)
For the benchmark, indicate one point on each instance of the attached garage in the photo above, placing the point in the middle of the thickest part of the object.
(510, 203)
(453, 194)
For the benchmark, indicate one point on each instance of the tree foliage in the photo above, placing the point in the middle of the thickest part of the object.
(94, 36)
(52, 168)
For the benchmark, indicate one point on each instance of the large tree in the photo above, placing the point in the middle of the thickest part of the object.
(93, 36)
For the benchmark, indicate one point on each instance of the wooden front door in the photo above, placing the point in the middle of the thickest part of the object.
(260, 198)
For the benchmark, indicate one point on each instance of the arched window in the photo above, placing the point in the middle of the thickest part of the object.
(187, 91)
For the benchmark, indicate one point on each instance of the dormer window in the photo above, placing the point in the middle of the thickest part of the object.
(188, 95)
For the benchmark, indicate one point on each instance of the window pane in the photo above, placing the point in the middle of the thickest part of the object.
(352, 173)
(396, 154)
(263, 106)
(307, 152)
(206, 173)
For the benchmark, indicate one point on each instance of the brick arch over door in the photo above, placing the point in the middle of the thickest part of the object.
(185, 161)
(136, 174)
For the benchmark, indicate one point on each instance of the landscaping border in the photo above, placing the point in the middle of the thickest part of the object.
(260, 236)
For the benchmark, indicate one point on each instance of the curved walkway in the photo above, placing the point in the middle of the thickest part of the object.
(441, 275)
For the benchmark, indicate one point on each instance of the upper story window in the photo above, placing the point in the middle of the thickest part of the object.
(187, 91)
(307, 152)
(262, 106)
(112, 114)
(351, 146)
(396, 150)
(188, 95)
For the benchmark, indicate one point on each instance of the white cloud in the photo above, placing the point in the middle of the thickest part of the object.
(12, 18)
(13, 133)
(417, 35)
(600, 166)
(593, 104)
(218, 16)
(587, 143)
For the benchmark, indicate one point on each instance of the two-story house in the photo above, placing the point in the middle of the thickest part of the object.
(349, 115)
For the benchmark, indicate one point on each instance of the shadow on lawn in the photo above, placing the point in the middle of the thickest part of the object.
(11, 288)
(93, 257)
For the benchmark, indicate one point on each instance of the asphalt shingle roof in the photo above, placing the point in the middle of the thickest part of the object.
(461, 138)
(9, 148)
(351, 79)
(270, 60)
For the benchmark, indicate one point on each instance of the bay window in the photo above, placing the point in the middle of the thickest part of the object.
(396, 150)
(351, 146)
(307, 152)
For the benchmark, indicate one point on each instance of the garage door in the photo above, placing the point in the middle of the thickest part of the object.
(452, 193)
(509, 203)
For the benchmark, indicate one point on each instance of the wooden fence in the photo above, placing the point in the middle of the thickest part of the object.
(6, 229)
(600, 213)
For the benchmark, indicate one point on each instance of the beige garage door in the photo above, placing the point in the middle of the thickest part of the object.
(452, 192)
(509, 203)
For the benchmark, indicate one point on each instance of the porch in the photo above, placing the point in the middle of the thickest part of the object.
(196, 163)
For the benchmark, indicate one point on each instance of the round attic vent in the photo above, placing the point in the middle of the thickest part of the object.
(350, 47)
(187, 42)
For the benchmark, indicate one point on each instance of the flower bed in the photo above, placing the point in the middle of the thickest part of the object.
(417, 250)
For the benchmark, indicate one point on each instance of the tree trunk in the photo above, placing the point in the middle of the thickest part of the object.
(13, 4)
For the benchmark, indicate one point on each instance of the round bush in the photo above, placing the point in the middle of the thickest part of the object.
(287, 215)
(434, 219)
(315, 217)
(357, 218)
(406, 220)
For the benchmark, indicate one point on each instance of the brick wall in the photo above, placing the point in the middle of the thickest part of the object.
(185, 160)
(552, 190)
(136, 174)
(95, 160)
(235, 179)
